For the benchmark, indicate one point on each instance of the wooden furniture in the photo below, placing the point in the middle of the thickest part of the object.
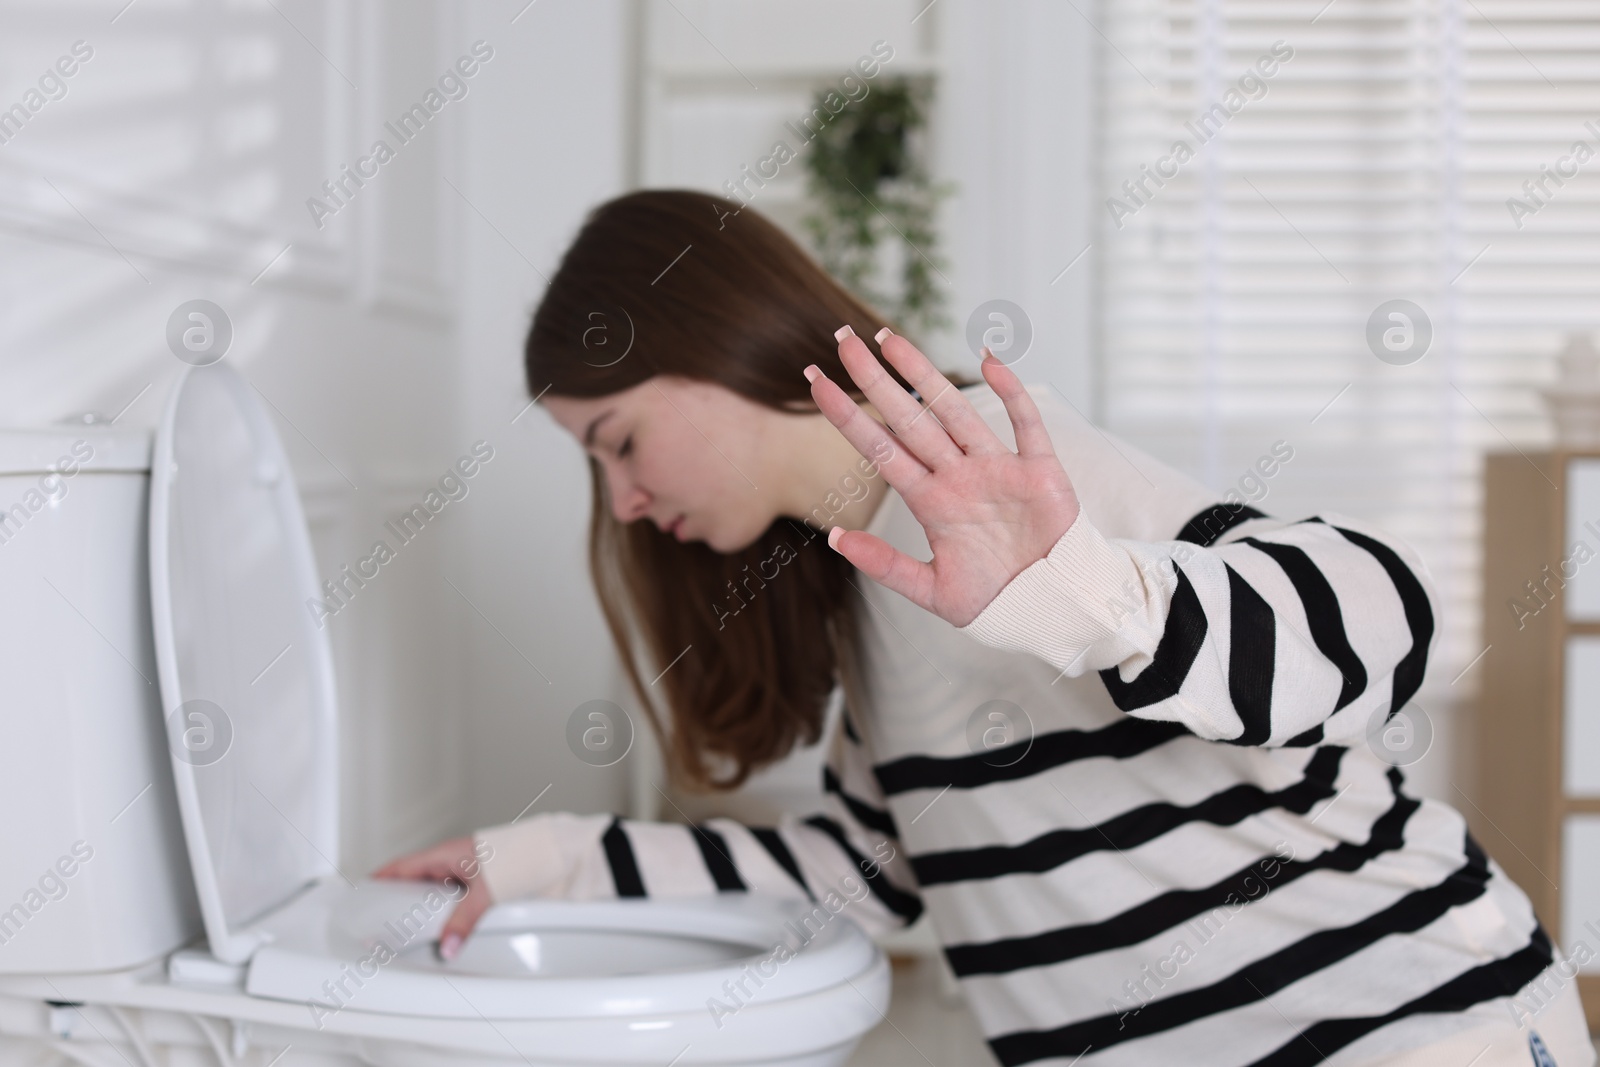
(1536, 808)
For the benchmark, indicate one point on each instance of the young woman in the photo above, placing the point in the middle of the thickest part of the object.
(1112, 737)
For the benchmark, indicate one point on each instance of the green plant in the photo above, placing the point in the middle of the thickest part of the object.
(868, 182)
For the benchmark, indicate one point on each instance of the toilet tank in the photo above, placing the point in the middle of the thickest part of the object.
(93, 871)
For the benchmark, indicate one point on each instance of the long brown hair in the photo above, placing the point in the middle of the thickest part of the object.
(687, 284)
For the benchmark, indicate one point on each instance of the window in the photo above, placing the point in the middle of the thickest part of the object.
(1338, 156)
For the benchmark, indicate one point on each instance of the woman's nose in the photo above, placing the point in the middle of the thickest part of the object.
(628, 501)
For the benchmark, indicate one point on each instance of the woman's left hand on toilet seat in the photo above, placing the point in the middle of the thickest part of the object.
(453, 862)
(989, 513)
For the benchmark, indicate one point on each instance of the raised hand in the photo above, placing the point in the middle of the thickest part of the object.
(988, 512)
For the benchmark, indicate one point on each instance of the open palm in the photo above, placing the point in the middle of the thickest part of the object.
(988, 512)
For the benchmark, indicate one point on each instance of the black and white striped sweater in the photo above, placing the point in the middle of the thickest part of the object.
(1173, 844)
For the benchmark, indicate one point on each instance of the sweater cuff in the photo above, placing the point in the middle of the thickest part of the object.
(534, 856)
(1061, 605)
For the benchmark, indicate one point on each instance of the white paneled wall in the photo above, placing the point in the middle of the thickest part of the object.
(178, 165)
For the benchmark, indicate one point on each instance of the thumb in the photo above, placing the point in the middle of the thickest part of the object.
(885, 564)
(459, 926)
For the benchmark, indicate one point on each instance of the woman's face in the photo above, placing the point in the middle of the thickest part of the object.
(697, 459)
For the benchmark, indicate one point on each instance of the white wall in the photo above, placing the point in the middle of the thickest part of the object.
(546, 140)
(1017, 134)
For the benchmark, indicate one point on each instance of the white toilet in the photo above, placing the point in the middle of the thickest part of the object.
(169, 797)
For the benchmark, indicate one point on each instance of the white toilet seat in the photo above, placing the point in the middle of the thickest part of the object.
(370, 948)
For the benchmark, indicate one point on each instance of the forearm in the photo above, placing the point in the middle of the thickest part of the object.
(1261, 639)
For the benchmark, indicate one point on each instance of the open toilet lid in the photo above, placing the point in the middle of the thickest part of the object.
(246, 673)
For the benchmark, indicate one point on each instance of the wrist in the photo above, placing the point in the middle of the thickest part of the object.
(1060, 605)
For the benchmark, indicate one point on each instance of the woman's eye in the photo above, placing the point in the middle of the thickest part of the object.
(627, 446)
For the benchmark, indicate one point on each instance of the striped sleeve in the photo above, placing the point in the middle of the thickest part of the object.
(849, 850)
(1244, 628)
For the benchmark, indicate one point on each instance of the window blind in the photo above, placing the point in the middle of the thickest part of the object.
(1377, 161)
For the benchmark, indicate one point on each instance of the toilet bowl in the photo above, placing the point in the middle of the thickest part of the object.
(234, 831)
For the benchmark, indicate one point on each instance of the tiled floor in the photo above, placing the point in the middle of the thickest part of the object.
(927, 1024)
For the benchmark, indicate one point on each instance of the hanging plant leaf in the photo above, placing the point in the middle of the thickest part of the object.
(868, 184)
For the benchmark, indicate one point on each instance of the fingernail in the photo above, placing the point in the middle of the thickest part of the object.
(812, 373)
(449, 945)
(881, 334)
(842, 332)
(987, 353)
(833, 537)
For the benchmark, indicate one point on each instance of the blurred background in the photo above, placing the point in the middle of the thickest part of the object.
(1362, 233)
